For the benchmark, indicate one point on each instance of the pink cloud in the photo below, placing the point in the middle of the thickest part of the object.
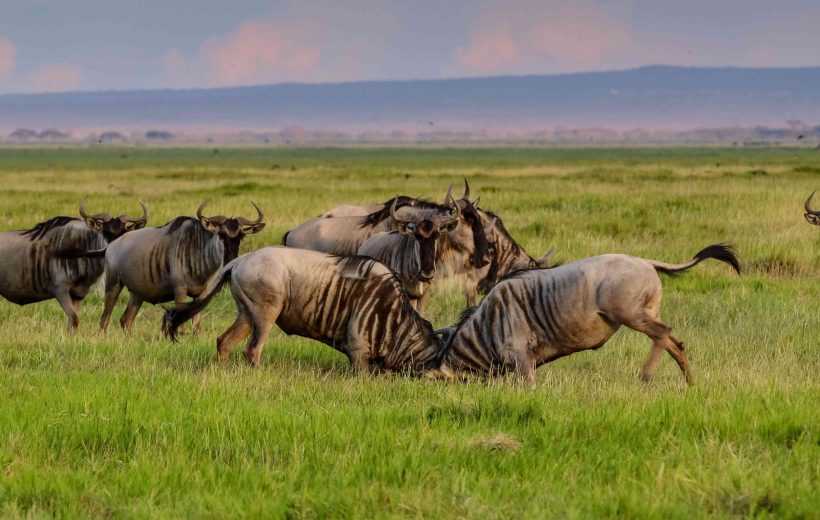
(56, 78)
(8, 54)
(546, 36)
(489, 52)
(261, 52)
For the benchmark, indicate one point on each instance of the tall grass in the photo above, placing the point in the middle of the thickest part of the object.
(98, 425)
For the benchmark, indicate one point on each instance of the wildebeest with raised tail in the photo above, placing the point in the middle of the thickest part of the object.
(47, 261)
(812, 215)
(536, 316)
(353, 304)
(172, 262)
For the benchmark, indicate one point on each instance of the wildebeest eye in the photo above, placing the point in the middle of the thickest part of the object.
(411, 226)
(451, 227)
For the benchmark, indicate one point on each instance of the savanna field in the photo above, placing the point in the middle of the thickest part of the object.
(96, 425)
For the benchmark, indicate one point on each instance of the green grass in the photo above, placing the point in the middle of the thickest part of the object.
(99, 426)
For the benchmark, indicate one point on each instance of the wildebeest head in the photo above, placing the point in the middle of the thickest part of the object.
(812, 215)
(113, 227)
(231, 230)
(472, 236)
(426, 226)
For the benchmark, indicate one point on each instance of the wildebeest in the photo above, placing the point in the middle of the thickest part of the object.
(505, 256)
(345, 235)
(812, 216)
(172, 262)
(47, 260)
(353, 304)
(413, 251)
(536, 316)
(351, 210)
(462, 251)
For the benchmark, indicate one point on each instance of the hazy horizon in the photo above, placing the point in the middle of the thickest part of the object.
(97, 45)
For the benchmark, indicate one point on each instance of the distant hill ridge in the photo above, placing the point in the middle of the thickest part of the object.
(648, 97)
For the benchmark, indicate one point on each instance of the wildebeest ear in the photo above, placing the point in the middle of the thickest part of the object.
(250, 229)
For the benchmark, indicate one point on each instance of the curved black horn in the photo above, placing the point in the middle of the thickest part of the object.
(199, 210)
(393, 214)
(260, 217)
(449, 194)
(82, 209)
(84, 213)
(808, 205)
(466, 189)
(144, 218)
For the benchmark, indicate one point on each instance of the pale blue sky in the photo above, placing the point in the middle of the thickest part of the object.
(111, 44)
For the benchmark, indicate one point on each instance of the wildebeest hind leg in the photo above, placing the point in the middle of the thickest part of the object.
(263, 317)
(661, 340)
(239, 330)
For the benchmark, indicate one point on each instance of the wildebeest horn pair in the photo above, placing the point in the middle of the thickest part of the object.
(812, 215)
(455, 212)
(260, 217)
(140, 221)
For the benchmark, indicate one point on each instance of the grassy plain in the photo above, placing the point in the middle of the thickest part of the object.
(107, 425)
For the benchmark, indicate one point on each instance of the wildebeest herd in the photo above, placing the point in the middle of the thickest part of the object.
(356, 278)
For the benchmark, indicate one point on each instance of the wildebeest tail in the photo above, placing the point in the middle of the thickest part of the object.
(723, 252)
(285, 238)
(176, 316)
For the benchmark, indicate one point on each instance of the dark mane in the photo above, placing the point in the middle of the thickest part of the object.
(480, 242)
(41, 229)
(402, 201)
(499, 225)
(176, 223)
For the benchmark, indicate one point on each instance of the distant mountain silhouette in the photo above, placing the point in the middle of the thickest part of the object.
(656, 96)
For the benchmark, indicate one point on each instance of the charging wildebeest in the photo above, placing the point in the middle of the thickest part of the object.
(47, 260)
(353, 304)
(536, 316)
(812, 215)
(172, 262)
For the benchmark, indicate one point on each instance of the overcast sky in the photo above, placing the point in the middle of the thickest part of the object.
(50, 45)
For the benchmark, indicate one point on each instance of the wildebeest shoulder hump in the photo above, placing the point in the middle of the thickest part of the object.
(41, 229)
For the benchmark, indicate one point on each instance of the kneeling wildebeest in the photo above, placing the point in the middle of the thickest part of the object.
(48, 261)
(812, 216)
(353, 304)
(536, 316)
(172, 262)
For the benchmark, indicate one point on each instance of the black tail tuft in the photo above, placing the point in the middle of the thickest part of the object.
(285, 238)
(176, 316)
(723, 252)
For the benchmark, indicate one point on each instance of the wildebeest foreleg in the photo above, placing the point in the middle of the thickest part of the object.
(67, 303)
(130, 314)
